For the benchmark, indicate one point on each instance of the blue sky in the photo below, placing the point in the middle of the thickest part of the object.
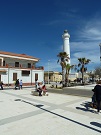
(35, 27)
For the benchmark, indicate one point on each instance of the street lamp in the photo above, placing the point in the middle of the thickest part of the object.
(100, 51)
(48, 71)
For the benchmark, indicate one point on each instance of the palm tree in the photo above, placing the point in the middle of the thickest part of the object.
(63, 57)
(68, 67)
(82, 63)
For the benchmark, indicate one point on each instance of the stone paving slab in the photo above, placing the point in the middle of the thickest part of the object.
(24, 114)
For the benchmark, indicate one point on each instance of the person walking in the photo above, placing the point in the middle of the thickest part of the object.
(36, 84)
(97, 90)
(20, 83)
(1, 84)
(17, 84)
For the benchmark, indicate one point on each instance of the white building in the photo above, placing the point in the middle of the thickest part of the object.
(19, 66)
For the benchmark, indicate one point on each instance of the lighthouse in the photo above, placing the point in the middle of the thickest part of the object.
(66, 46)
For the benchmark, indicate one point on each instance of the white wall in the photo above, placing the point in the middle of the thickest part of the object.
(8, 77)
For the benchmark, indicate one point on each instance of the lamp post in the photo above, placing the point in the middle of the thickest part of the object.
(48, 71)
(8, 66)
(100, 51)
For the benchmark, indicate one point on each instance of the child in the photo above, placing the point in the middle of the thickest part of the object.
(44, 90)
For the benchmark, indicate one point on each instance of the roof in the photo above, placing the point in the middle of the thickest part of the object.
(18, 55)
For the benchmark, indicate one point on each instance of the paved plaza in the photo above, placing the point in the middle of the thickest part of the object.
(24, 114)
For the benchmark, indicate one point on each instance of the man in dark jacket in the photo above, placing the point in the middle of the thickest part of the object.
(1, 84)
(97, 90)
(17, 84)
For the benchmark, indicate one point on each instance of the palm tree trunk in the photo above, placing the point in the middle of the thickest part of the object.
(63, 77)
(82, 74)
(66, 79)
(82, 78)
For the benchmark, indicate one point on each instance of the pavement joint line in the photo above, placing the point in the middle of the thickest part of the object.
(19, 117)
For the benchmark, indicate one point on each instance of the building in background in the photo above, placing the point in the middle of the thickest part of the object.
(57, 76)
(53, 76)
(19, 66)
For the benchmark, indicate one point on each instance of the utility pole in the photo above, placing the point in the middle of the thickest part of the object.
(48, 71)
(100, 51)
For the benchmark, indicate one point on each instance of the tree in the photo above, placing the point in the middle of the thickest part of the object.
(98, 71)
(82, 63)
(68, 67)
(63, 57)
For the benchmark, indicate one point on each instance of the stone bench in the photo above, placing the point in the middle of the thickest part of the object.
(35, 93)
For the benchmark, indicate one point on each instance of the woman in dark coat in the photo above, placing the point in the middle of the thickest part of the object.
(97, 90)
(1, 84)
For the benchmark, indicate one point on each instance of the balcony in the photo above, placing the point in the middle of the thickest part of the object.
(22, 66)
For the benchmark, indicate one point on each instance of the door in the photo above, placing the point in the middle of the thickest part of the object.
(36, 76)
(0, 62)
(14, 76)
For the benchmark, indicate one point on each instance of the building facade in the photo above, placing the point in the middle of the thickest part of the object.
(53, 76)
(19, 66)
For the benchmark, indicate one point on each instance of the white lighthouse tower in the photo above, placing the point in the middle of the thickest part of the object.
(66, 46)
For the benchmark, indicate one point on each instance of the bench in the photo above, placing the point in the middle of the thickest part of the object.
(35, 93)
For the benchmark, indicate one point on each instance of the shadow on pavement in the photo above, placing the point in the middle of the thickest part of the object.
(87, 106)
(96, 124)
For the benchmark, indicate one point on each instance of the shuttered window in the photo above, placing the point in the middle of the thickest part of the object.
(14, 76)
(36, 76)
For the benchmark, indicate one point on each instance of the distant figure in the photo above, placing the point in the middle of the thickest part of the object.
(97, 90)
(20, 83)
(17, 84)
(36, 84)
(1, 84)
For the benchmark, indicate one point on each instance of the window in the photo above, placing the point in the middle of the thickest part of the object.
(3, 63)
(25, 73)
(29, 65)
(36, 76)
(14, 76)
(16, 64)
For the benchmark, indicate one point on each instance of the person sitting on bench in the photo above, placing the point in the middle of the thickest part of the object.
(39, 89)
(44, 89)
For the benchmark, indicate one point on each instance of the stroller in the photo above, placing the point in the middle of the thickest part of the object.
(94, 103)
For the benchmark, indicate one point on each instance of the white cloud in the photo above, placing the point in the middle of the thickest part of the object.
(91, 30)
(87, 42)
(89, 50)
